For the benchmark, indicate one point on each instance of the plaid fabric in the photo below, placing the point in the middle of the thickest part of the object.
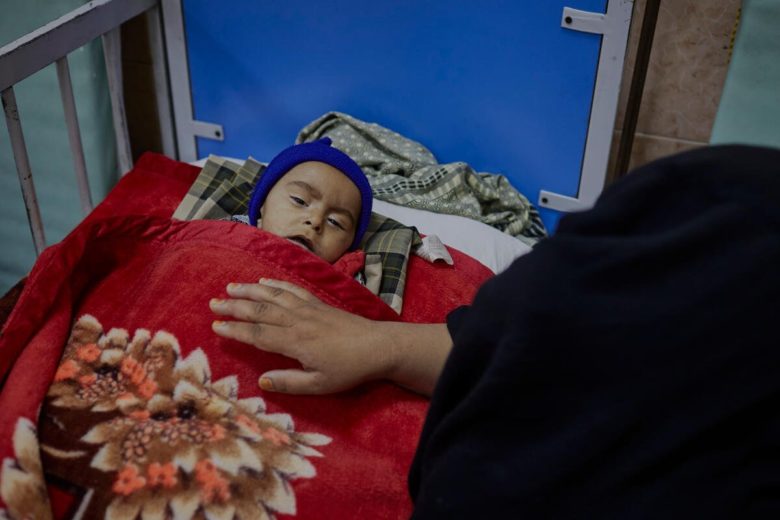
(404, 172)
(389, 244)
(222, 190)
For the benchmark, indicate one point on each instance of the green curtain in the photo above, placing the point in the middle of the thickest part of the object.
(749, 110)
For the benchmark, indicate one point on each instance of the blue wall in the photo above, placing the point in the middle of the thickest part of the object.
(497, 84)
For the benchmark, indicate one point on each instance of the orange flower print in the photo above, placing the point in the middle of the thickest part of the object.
(217, 433)
(128, 481)
(127, 366)
(66, 370)
(140, 415)
(277, 437)
(147, 389)
(89, 352)
(138, 375)
(162, 475)
(134, 370)
(167, 436)
(213, 486)
(87, 379)
(249, 423)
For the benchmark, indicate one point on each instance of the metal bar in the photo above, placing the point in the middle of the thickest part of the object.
(209, 130)
(614, 27)
(161, 81)
(186, 127)
(176, 49)
(74, 134)
(23, 168)
(637, 86)
(112, 52)
(36, 50)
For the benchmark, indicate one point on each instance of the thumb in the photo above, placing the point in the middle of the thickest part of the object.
(292, 382)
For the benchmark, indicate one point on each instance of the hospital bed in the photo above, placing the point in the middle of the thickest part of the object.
(529, 90)
(551, 139)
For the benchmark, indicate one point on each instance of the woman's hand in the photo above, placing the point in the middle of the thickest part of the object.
(336, 349)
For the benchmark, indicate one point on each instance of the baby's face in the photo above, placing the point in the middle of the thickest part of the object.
(315, 206)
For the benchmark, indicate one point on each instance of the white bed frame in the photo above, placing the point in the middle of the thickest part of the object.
(103, 18)
(51, 44)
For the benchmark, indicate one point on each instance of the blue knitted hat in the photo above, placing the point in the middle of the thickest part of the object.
(320, 151)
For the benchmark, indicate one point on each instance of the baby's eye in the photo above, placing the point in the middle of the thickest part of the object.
(336, 223)
(297, 200)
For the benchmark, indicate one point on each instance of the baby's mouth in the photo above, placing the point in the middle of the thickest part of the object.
(302, 241)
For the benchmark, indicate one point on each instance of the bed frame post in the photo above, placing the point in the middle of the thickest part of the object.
(112, 52)
(23, 168)
(613, 27)
(74, 134)
(161, 81)
(188, 129)
(52, 43)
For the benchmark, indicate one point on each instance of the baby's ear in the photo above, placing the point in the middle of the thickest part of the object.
(260, 216)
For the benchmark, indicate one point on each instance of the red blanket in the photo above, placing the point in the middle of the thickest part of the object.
(117, 393)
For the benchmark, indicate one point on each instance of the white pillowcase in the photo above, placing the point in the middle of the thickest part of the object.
(491, 247)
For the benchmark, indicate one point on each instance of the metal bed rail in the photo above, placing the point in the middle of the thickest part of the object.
(51, 44)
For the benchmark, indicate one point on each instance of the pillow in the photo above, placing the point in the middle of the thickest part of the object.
(494, 249)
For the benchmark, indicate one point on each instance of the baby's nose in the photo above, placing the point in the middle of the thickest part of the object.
(315, 222)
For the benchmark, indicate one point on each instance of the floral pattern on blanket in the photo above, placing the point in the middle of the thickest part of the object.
(23, 489)
(167, 441)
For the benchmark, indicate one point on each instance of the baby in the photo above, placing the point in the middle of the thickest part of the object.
(315, 196)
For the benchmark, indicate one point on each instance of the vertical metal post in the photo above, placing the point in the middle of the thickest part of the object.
(74, 134)
(23, 168)
(613, 27)
(112, 52)
(176, 51)
(161, 81)
(644, 47)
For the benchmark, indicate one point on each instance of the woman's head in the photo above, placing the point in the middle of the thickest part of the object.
(316, 196)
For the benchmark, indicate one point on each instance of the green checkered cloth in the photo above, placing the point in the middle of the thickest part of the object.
(404, 172)
(222, 190)
(388, 245)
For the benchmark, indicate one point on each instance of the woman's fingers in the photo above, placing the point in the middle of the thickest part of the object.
(283, 294)
(270, 315)
(294, 382)
(251, 310)
(270, 338)
(335, 348)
